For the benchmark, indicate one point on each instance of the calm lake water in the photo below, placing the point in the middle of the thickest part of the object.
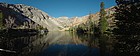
(57, 44)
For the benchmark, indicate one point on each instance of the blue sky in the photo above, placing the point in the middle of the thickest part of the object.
(69, 8)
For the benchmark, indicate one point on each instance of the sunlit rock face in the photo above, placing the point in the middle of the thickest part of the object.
(94, 17)
(25, 13)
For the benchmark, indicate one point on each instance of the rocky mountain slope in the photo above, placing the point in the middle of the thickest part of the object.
(23, 12)
(26, 13)
(95, 18)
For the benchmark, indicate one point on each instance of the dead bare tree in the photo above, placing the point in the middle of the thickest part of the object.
(25, 25)
(34, 26)
(9, 22)
(31, 24)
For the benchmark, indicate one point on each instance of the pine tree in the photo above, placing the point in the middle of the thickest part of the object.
(90, 24)
(1, 20)
(103, 22)
(128, 18)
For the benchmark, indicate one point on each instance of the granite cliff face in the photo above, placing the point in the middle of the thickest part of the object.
(26, 13)
(94, 17)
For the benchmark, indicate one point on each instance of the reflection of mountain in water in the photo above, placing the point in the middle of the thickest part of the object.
(67, 44)
(60, 43)
(62, 38)
(30, 45)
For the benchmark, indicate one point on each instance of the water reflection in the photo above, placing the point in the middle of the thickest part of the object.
(29, 46)
(69, 44)
(57, 44)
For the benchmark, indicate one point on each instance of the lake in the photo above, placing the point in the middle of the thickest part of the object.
(57, 44)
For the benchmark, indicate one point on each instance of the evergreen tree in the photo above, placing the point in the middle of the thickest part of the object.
(87, 27)
(102, 21)
(90, 24)
(128, 28)
(128, 18)
(1, 20)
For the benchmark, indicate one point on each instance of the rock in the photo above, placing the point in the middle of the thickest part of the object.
(25, 13)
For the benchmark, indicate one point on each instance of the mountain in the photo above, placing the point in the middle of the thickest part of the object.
(24, 13)
(78, 21)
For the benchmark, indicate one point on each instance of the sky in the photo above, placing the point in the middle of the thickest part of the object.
(69, 8)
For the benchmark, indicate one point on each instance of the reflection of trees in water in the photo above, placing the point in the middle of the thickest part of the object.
(30, 45)
(75, 38)
(35, 46)
(59, 38)
(89, 40)
(103, 42)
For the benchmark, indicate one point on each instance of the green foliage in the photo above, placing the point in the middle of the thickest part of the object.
(103, 25)
(128, 19)
(1, 20)
(88, 27)
(103, 19)
(80, 29)
(72, 29)
(60, 27)
(128, 28)
(1, 16)
(90, 24)
(40, 28)
(32, 25)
